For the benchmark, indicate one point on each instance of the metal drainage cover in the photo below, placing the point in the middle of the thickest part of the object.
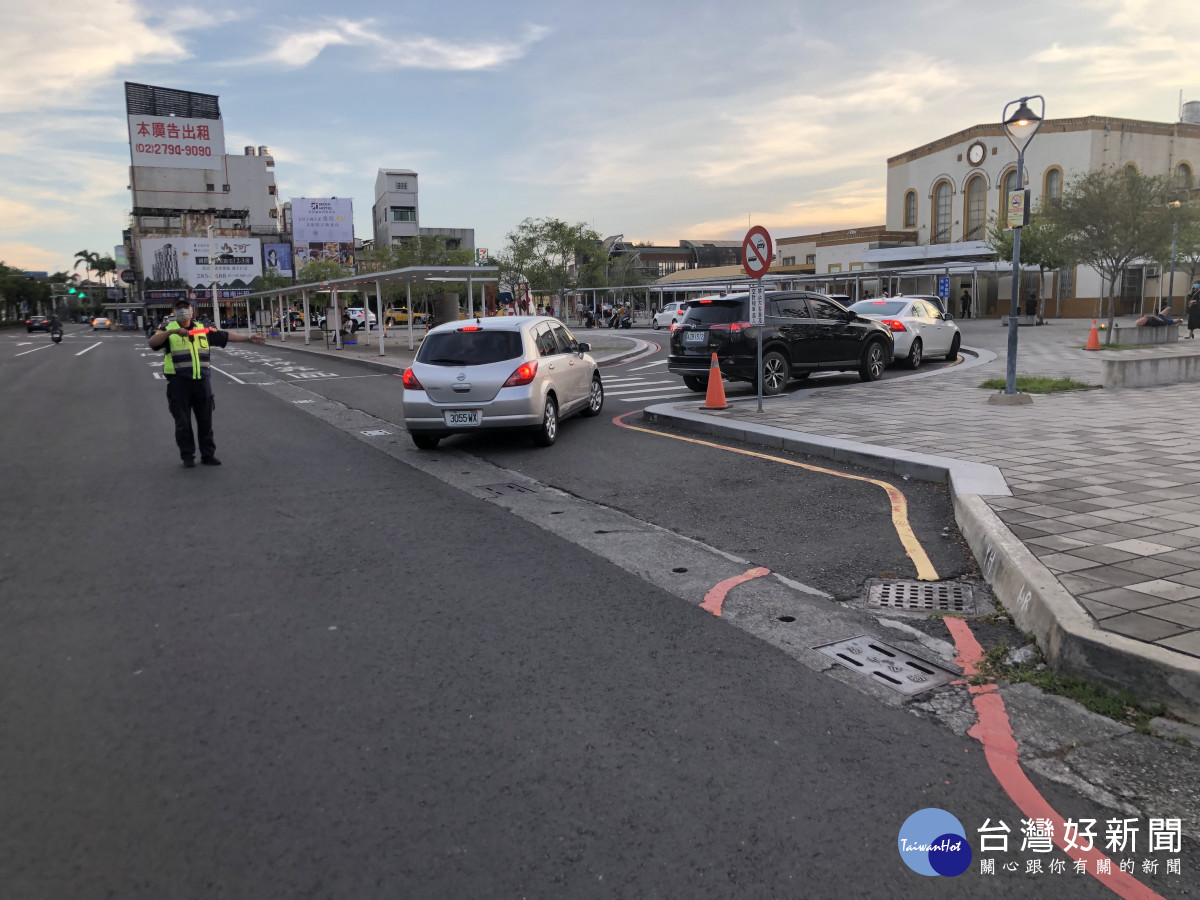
(951, 596)
(507, 488)
(887, 665)
(378, 432)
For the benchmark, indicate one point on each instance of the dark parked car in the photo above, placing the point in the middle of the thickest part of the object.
(37, 323)
(804, 333)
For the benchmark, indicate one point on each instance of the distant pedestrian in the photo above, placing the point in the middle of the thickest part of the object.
(189, 390)
(1193, 313)
(965, 304)
(1031, 304)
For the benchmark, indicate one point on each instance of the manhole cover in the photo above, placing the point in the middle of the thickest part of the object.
(378, 432)
(887, 665)
(507, 488)
(951, 596)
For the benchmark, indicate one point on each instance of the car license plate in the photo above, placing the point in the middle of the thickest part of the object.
(462, 416)
(695, 338)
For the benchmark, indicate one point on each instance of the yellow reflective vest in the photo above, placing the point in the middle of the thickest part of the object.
(187, 351)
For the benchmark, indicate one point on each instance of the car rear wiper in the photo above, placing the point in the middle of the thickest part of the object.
(450, 362)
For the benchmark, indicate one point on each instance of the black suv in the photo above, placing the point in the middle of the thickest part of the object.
(37, 323)
(804, 333)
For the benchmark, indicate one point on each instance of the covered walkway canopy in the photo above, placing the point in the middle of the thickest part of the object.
(420, 275)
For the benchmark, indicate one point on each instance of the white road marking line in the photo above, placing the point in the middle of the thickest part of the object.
(659, 397)
(660, 362)
(93, 347)
(34, 350)
(650, 390)
(227, 375)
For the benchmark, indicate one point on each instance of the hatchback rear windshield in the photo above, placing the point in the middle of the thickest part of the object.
(470, 348)
(879, 307)
(719, 312)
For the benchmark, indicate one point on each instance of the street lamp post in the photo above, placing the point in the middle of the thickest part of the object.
(1173, 206)
(1020, 125)
(212, 274)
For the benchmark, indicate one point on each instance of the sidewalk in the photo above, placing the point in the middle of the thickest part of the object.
(1092, 537)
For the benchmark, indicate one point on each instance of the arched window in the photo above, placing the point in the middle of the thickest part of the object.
(976, 203)
(910, 209)
(1053, 188)
(1007, 185)
(941, 214)
(1183, 177)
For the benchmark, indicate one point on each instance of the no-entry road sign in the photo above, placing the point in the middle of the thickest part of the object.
(757, 252)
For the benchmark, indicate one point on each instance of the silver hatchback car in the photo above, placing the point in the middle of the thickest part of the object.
(510, 372)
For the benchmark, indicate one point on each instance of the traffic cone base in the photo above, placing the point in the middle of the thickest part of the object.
(715, 398)
(1093, 342)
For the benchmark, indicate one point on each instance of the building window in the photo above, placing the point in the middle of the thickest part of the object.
(835, 267)
(271, 189)
(910, 209)
(210, 187)
(274, 214)
(1183, 177)
(855, 267)
(403, 214)
(225, 188)
(811, 259)
(941, 213)
(1066, 283)
(402, 185)
(1053, 187)
(1007, 185)
(789, 260)
(976, 209)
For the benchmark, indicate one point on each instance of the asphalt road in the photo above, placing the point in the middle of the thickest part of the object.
(317, 672)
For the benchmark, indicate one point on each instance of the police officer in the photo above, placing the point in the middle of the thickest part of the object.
(189, 389)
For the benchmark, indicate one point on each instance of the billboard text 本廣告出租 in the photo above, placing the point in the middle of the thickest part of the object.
(175, 142)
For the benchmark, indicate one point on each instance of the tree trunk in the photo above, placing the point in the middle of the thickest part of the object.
(1112, 306)
(1041, 316)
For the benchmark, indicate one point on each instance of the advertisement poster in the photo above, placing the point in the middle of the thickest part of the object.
(339, 252)
(182, 262)
(176, 143)
(277, 259)
(324, 221)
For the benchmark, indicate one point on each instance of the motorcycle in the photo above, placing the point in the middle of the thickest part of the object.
(624, 321)
(56, 335)
(589, 320)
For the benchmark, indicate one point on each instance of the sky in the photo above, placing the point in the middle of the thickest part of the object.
(656, 120)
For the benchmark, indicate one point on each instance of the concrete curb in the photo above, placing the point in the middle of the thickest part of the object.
(1069, 638)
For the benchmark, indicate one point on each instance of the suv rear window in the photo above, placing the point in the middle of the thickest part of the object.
(718, 312)
(469, 348)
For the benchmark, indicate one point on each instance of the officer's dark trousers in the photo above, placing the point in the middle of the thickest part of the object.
(186, 397)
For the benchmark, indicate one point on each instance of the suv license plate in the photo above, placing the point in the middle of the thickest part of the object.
(695, 338)
(462, 416)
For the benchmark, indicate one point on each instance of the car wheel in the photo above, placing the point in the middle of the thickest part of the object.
(954, 345)
(695, 383)
(775, 373)
(914, 355)
(655, 325)
(595, 399)
(873, 361)
(548, 431)
(426, 441)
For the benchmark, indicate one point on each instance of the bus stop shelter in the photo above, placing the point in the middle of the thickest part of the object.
(414, 275)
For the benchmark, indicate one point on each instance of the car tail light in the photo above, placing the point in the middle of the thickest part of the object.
(470, 328)
(27, 321)
(704, 301)
(894, 324)
(523, 375)
(410, 381)
(730, 326)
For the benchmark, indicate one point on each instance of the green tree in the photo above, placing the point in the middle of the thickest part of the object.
(88, 260)
(1109, 217)
(1043, 244)
(17, 289)
(105, 266)
(548, 254)
(1187, 246)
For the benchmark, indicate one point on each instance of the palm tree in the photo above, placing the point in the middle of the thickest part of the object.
(88, 259)
(105, 266)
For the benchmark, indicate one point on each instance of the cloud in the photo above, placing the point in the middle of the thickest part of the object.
(300, 48)
(30, 257)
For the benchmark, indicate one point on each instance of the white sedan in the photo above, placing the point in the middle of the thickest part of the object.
(919, 328)
(101, 322)
(670, 314)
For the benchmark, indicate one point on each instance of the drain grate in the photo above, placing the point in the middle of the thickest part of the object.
(951, 596)
(507, 488)
(887, 665)
(377, 432)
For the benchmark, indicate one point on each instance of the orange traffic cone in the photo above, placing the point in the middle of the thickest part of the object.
(1093, 338)
(715, 398)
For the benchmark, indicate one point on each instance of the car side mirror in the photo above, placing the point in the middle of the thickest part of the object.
(584, 347)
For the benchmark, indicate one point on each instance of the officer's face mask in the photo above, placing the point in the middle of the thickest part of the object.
(182, 315)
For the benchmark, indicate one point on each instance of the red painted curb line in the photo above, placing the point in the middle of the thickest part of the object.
(994, 731)
(715, 598)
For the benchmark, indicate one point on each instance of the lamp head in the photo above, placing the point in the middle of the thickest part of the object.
(1023, 123)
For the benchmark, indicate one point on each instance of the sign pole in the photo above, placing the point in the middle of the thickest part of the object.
(757, 253)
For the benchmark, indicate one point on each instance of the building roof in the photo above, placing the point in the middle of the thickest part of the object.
(397, 171)
(1050, 126)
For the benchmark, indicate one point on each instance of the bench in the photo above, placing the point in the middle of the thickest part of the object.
(1133, 335)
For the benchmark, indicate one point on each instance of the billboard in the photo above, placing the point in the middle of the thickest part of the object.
(182, 262)
(277, 259)
(176, 142)
(316, 220)
(341, 252)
